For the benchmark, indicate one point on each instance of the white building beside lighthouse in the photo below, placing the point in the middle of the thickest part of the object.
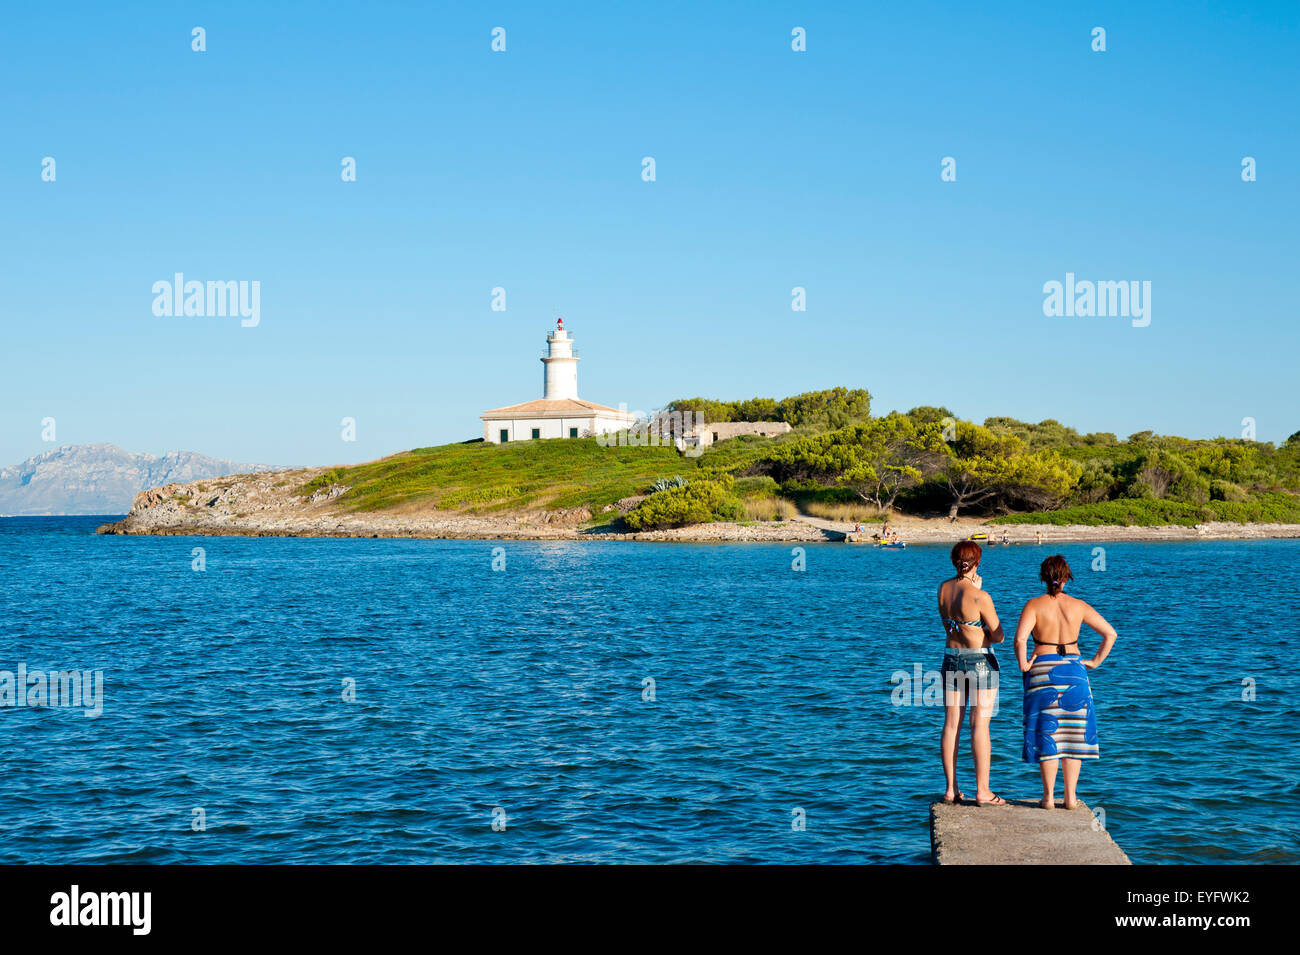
(559, 413)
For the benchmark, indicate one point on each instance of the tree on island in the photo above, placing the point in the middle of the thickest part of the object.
(828, 409)
(876, 460)
(832, 408)
(931, 414)
(983, 465)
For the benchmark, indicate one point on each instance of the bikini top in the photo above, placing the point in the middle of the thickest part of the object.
(1059, 646)
(956, 625)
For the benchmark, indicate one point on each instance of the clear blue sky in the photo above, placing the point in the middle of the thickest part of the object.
(522, 169)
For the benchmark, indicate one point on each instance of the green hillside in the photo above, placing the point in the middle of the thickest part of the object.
(840, 461)
(481, 478)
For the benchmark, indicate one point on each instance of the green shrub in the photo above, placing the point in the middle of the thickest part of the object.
(1096, 481)
(758, 486)
(1191, 488)
(332, 476)
(1227, 491)
(1139, 491)
(1273, 507)
(699, 502)
(1128, 512)
(807, 491)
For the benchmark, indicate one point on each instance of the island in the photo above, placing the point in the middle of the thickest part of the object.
(835, 472)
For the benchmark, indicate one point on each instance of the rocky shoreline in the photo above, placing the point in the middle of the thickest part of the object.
(270, 505)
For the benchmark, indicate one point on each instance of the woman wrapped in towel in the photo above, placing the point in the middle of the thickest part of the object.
(1060, 719)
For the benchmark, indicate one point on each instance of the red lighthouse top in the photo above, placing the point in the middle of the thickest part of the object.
(559, 323)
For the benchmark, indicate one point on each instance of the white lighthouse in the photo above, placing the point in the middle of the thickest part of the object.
(559, 413)
(560, 365)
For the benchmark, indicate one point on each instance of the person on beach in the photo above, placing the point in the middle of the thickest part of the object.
(970, 670)
(1038, 537)
(1060, 718)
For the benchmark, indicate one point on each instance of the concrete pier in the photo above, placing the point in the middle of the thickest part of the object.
(1019, 833)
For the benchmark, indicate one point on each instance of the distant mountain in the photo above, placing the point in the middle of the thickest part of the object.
(100, 478)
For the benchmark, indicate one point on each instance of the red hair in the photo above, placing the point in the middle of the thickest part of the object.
(965, 556)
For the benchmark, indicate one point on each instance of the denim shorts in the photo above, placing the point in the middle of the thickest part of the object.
(977, 669)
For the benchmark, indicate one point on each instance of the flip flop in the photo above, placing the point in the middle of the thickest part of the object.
(995, 801)
(961, 797)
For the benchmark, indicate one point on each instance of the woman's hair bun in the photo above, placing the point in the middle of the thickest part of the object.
(965, 555)
(1055, 572)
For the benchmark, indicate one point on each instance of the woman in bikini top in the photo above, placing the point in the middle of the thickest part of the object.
(970, 670)
(1059, 718)
(1053, 619)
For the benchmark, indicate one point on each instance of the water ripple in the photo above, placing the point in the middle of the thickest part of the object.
(521, 693)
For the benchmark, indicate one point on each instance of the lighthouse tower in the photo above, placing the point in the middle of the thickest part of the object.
(560, 365)
(560, 413)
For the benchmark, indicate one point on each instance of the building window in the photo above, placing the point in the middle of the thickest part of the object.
(505, 435)
(573, 432)
(537, 433)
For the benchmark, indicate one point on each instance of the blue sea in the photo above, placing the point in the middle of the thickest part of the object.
(391, 701)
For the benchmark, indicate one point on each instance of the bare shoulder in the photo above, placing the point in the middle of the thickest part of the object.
(1077, 605)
